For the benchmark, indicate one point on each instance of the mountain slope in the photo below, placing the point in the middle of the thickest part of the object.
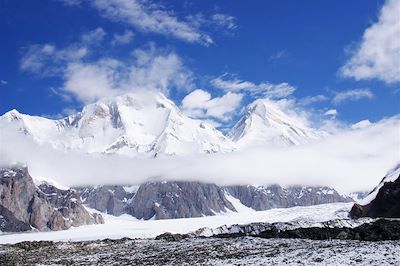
(383, 201)
(142, 123)
(265, 124)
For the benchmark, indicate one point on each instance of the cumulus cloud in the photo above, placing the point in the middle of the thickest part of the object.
(377, 56)
(149, 69)
(89, 78)
(150, 17)
(343, 161)
(200, 104)
(352, 95)
(123, 38)
(264, 89)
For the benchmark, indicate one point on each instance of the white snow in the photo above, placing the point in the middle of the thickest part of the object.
(127, 226)
(266, 124)
(136, 124)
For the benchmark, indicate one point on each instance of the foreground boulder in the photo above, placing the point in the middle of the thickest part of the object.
(384, 199)
(25, 206)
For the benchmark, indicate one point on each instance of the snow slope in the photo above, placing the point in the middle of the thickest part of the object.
(127, 226)
(265, 124)
(141, 123)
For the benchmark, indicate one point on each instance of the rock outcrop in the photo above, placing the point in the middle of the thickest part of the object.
(385, 204)
(274, 196)
(168, 200)
(109, 199)
(25, 206)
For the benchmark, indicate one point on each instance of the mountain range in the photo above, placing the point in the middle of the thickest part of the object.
(148, 124)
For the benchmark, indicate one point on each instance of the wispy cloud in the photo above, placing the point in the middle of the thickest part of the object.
(352, 95)
(123, 38)
(265, 89)
(200, 104)
(148, 16)
(308, 100)
(278, 55)
(377, 56)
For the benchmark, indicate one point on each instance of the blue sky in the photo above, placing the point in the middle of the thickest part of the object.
(329, 59)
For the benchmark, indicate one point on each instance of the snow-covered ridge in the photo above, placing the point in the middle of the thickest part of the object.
(264, 123)
(148, 124)
(142, 123)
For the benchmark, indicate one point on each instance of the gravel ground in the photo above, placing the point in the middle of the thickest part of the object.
(205, 251)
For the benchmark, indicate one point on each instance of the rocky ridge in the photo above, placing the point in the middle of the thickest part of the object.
(25, 206)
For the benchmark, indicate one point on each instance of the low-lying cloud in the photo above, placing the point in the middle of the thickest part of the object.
(350, 161)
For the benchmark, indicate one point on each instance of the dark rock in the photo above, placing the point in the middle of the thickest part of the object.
(23, 205)
(109, 199)
(172, 237)
(385, 204)
(168, 200)
(9, 223)
(378, 230)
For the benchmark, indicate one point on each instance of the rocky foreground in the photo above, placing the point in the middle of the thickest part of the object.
(373, 243)
(203, 251)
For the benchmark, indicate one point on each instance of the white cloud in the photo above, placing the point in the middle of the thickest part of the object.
(343, 161)
(331, 112)
(361, 124)
(149, 69)
(47, 59)
(278, 55)
(200, 104)
(124, 38)
(377, 56)
(150, 17)
(308, 100)
(3, 82)
(94, 36)
(224, 21)
(352, 95)
(265, 89)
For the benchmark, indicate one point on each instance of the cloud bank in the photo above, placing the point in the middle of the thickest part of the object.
(354, 160)
(377, 56)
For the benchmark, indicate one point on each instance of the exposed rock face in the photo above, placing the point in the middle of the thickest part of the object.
(22, 204)
(274, 196)
(385, 204)
(166, 200)
(109, 199)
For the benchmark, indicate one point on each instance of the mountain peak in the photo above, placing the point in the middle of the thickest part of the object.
(264, 123)
(143, 123)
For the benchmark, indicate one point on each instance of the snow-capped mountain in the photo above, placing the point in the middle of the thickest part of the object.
(141, 123)
(265, 124)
